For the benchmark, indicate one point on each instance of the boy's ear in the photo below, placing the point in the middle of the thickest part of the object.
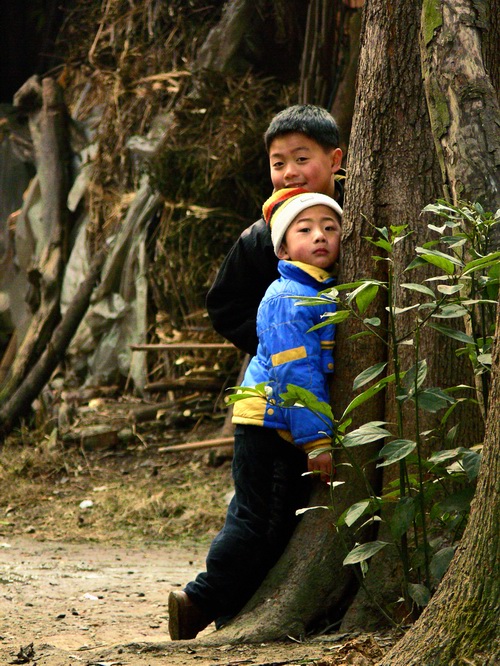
(282, 253)
(336, 156)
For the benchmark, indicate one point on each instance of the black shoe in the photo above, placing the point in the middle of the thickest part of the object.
(185, 619)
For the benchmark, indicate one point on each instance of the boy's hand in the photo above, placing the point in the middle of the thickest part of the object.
(321, 463)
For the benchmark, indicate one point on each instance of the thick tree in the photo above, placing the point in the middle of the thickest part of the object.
(394, 170)
(462, 623)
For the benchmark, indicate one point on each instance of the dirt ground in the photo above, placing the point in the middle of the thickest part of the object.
(94, 537)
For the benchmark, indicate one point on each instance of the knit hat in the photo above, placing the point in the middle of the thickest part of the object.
(284, 205)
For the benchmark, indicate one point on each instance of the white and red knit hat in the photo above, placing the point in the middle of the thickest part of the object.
(284, 205)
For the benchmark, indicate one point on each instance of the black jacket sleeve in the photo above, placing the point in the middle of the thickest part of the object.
(241, 282)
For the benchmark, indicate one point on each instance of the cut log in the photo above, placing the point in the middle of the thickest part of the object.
(52, 150)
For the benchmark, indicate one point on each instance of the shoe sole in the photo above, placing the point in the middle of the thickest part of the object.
(173, 617)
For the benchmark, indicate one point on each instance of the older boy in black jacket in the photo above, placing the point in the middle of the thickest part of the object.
(302, 144)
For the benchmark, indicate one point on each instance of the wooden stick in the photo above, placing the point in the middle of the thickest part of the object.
(192, 446)
(182, 345)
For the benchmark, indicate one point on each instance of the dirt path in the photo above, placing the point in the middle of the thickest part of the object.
(85, 597)
(84, 586)
(99, 605)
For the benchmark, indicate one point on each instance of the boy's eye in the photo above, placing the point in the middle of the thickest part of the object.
(277, 165)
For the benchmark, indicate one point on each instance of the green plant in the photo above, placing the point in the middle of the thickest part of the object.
(427, 504)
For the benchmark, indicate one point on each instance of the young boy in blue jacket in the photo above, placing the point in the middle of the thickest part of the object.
(302, 142)
(273, 444)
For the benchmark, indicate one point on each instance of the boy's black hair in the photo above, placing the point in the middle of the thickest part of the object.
(313, 121)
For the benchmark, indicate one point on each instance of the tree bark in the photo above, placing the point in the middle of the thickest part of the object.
(393, 172)
(461, 625)
(463, 105)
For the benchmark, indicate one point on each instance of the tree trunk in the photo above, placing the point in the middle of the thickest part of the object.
(463, 105)
(393, 172)
(461, 625)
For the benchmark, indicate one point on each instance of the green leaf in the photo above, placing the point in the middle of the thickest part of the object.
(244, 392)
(420, 288)
(440, 230)
(355, 511)
(361, 334)
(415, 264)
(296, 395)
(385, 245)
(443, 261)
(443, 456)
(367, 375)
(364, 552)
(471, 462)
(396, 450)
(366, 395)
(433, 399)
(452, 333)
(449, 289)
(299, 512)
(366, 297)
(420, 371)
(365, 434)
(372, 321)
(485, 359)
(397, 311)
(333, 318)
(403, 516)
(349, 285)
(483, 262)
(419, 593)
(450, 311)
(440, 562)
(363, 300)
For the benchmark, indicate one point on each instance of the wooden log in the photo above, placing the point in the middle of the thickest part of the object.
(52, 150)
(148, 413)
(194, 446)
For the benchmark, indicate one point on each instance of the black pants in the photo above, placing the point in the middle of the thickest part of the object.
(269, 488)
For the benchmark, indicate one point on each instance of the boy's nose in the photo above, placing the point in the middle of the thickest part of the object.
(290, 170)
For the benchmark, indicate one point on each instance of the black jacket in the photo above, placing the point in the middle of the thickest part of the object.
(242, 280)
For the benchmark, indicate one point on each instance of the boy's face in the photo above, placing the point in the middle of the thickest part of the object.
(296, 160)
(313, 238)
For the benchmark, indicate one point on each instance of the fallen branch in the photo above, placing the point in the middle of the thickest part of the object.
(19, 403)
(182, 345)
(193, 446)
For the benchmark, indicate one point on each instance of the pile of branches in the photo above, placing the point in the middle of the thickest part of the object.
(131, 66)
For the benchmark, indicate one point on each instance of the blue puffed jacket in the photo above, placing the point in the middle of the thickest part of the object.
(288, 354)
